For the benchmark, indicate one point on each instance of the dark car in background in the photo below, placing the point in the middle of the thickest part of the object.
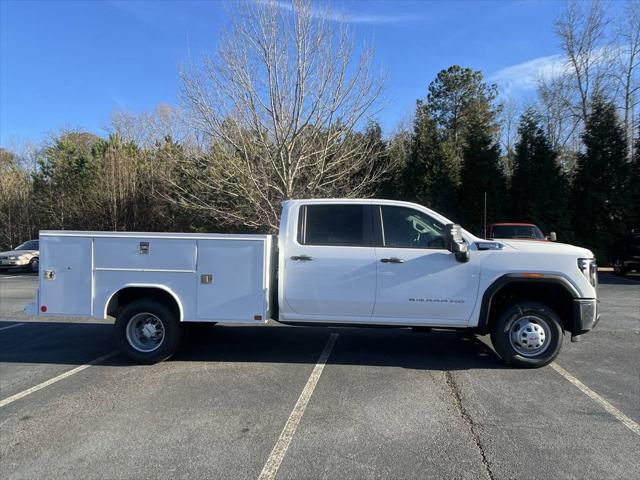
(625, 255)
(521, 231)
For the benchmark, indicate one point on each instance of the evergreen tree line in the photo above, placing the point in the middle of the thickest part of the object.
(450, 160)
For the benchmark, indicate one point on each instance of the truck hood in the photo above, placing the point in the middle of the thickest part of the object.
(536, 246)
(17, 253)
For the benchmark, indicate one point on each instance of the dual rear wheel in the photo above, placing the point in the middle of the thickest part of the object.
(147, 332)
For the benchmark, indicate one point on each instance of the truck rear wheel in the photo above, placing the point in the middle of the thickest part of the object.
(147, 332)
(527, 334)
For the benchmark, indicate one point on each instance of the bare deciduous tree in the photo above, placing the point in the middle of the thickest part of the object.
(146, 129)
(600, 60)
(582, 33)
(626, 72)
(16, 219)
(279, 104)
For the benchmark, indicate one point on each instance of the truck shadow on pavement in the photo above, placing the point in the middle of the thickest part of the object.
(78, 343)
(611, 279)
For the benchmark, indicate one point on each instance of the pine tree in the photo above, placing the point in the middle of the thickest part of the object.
(481, 174)
(459, 98)
(600, 197)
(428, 177)
(539, 188)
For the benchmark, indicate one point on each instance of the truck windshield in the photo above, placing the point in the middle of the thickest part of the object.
(517, 231)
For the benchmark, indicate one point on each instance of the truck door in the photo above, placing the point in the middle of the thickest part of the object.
(330, 268)
(418, 279)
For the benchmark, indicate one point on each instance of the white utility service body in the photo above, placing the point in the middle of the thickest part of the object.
(212, 278)
(336, 262)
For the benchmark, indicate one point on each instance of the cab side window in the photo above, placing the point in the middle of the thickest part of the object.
(407, 228)
(337, 225)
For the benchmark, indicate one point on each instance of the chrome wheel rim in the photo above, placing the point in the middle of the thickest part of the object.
(529, 335)
(145, 332)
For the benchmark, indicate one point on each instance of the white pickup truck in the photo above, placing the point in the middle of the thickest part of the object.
(336, 262)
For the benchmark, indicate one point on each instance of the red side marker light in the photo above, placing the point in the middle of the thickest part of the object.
(257, 317)
(43, 308)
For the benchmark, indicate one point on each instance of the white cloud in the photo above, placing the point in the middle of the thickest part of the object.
(343, 16)
(526, 75)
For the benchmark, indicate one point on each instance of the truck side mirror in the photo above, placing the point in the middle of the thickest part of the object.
(454, 242)
(552, 237)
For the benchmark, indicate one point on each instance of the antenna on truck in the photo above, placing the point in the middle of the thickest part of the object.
(484, 235)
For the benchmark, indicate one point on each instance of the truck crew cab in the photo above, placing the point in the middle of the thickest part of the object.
(337, 262)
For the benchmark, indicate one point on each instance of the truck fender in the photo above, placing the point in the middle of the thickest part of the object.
(146, 285)
(519, 278)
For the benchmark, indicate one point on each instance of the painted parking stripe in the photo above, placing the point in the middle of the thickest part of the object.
(53, 380)
(12, 326)
(280, 449)
(626, 421)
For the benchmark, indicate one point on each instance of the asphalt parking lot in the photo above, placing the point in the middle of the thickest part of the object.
(296, 402)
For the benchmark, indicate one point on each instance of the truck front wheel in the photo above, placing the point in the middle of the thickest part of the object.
(527, 334)
(147, 332)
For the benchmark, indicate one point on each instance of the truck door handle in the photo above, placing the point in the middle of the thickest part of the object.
(303, 258)
(392, 260)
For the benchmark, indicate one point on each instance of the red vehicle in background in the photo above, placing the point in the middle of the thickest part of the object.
(518, 231)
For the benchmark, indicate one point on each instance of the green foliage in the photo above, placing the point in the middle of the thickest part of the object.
(600, 192)
(398, 155)
(459, 104)
(481, 174)
(539, 189)
(459, 98)
(428, 178)
(67, 171)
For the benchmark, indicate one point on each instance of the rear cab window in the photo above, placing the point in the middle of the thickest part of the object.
(347, 225)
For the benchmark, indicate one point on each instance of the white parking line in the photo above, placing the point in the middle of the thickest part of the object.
(53, 380)
(280, 449)
(11, 326)
(626, 421)
(13, 276)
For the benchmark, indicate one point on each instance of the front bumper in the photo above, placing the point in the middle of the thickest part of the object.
(14, 263)
(585, 315)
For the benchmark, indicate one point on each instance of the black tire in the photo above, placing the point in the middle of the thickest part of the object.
(167, 345)
(34, 265)
(619, 269)
(528, 312)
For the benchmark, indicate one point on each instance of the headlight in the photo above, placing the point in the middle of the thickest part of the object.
(14, 258)
(589, 269)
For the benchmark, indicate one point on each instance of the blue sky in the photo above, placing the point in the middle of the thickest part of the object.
(71, 63)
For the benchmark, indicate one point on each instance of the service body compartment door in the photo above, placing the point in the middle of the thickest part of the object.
(231, 280)
(145, 253)
(66, 275)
